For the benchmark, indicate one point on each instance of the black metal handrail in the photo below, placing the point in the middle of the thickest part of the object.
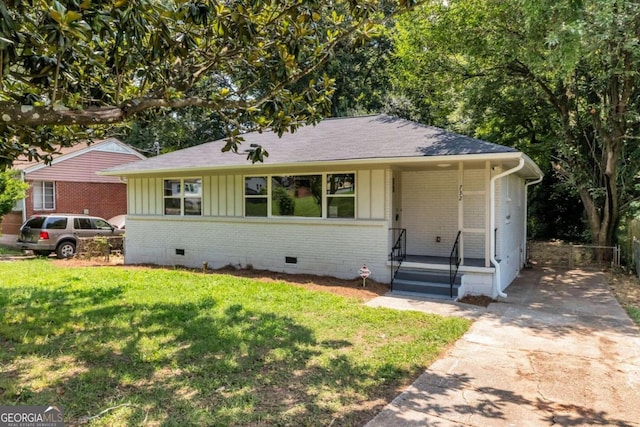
(398, 251)
(454, 262)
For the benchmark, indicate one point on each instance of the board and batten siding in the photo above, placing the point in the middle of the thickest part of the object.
(223, 195)
(475, 215)
(370, 193)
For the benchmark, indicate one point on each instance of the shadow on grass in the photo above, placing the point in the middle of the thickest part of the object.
(195, 363)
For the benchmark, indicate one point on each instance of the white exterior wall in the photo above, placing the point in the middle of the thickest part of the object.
(334, 247)
(371, 193)
(510, 223)
(430, 210)
(477, 283)
(222, 235)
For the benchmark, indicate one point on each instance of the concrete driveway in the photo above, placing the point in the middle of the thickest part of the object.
(559, 351)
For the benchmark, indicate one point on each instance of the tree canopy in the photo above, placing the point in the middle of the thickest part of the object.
(70, 69)
(561, 79)
(12, 189)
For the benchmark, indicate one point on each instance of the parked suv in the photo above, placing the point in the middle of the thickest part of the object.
(44, 234)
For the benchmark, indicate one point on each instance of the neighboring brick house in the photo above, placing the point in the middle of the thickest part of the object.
(70, 183)
(337, 195)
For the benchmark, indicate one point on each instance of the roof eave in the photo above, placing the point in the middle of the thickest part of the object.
(391, 161)
(41, 165)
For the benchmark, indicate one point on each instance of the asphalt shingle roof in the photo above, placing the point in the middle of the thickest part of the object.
(352, 138)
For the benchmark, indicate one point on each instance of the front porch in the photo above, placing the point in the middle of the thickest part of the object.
(447, 215)
(438, 277)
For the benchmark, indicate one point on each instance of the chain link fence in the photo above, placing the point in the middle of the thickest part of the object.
(634, 238)
(560, 254)
(636, 255)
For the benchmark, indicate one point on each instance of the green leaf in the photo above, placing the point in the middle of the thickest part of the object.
(56, 16)
(72, 16)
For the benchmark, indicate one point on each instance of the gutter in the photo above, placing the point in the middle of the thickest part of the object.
(24, 201)
(494, 261)
(254, 168)
(526, 214)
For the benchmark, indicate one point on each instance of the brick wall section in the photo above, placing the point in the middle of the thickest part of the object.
(332, 248)
(430, 210)
(103, 200)
(11, 223)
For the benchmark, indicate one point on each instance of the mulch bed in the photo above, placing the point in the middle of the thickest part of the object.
(480, 300)
(348, 288)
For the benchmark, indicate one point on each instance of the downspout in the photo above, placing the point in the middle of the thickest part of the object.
(24, 201)
(526, 212)
(492, 198)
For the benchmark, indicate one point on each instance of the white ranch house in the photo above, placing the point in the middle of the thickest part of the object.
(371, 190)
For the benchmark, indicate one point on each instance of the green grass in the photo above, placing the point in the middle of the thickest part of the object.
(9, 251)
(634, 313)
(303, 206)
(169, 347)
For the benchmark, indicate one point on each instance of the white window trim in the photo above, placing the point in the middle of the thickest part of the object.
(182, 196)
(246, 196)
(18, 206)
(325, 196)
(324, 213)
(41, 185)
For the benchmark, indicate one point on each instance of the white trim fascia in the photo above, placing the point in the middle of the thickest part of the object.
(88, 149)
(129, 149)
(387, 161)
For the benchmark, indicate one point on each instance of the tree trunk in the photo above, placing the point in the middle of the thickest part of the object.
(604, 216)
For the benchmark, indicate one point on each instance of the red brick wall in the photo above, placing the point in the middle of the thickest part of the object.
(104, 200)
(11, 223)
(101, 199)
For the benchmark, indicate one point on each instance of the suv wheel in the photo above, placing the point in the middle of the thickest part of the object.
(66, 250)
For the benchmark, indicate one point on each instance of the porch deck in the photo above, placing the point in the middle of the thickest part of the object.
(442, 260)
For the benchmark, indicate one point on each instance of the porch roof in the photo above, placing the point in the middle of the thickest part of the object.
(362, 139)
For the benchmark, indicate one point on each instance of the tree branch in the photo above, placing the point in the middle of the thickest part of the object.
(28, 115)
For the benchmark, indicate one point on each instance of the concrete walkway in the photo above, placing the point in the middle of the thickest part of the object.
(559, 351)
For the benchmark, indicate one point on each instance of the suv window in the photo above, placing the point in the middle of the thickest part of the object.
(82, 224)
(35, 222)
(102, 225)
(55, 223)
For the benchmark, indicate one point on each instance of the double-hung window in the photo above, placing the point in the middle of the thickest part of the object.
(183, 196)
(43, 196)
(255, 196)
(341, 195)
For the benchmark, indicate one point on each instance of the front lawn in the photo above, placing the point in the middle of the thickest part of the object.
(167, 347)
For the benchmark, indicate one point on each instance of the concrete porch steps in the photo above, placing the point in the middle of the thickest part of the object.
(427, 282)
